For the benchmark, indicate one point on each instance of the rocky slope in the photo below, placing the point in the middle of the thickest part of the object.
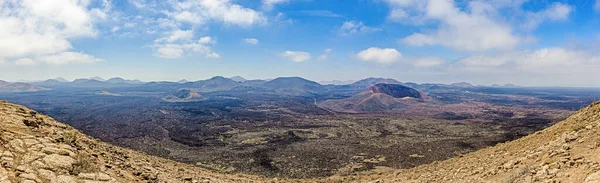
(35, 148)
(566, 152)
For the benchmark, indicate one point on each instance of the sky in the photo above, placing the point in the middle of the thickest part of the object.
(523, 42)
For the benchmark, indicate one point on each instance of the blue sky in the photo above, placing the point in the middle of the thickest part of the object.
(526, 42)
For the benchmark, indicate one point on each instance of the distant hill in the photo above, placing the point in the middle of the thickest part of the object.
(462, 85)
(88, 83)
(238, 78)
(51, 83)
(336, 82)
(98, 78)
(365, 83)
(377, 98)
(395, 90)
(183, 81)
(217, 83)
(184, 95)
(60, 79)
(254, 82)
(19, 87)
(82, 80)
(118, 80)
(294, 86)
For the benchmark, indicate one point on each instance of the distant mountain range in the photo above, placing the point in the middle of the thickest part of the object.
(95, 82)
(281, 85)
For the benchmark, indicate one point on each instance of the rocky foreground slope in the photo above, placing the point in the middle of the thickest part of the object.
(566, 152)
(35, 148)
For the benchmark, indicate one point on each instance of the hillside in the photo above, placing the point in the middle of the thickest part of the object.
(217, 83)
(565, 152)
(35, 148)
(372, 81)
(294, 86)
(395, 90)
(377, 98)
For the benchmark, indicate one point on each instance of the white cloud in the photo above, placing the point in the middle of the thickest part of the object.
(177, 50)
(138, 3)
(477, 26)
(207, 40)
(169, 51)
(296, 56)
(268, 5)
(62, 58)
(213, 55)
(68, 58)
(460, 30)
(546, 60)
(397, 14)
(401, 3)
(282, 19)
(115, 29)
(189, 17)
(355, 27)
(556, 12)
(418, 39)
(51, 25)
(177, 35)
(200, 11)
(185, 18)
(325, 54)
(379, 55)
(321, 13)
(252, 41)
(406, 11)
(428, 62)
(25, 61)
